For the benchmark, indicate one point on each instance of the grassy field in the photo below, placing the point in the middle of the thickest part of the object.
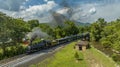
(65, 58)
(99, 58)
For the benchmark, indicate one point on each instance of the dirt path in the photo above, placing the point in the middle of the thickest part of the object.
(91, 60)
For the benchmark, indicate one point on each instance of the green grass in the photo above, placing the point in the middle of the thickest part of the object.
(64, 58)
(102, 58)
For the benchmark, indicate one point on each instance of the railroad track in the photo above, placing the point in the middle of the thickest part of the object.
(26, 60)
(11, 59)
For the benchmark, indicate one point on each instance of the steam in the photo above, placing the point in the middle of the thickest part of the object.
(36, 33)
(58, 18)
(63, 13)
(66, 10)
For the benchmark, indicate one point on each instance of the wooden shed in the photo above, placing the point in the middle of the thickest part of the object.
(82, 45)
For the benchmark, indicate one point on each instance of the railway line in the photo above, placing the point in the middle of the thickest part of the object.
(31, 58)
(26, 60)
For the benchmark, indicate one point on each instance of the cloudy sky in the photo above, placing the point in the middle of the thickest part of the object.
(78, 10)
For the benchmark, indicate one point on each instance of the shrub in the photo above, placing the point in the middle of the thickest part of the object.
(14, 50)
(116, 46)
(76, 56)
(116, 57)
(21, 49)
(106, 44)
(8, 52)
(1, 53)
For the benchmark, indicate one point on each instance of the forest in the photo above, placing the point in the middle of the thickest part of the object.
(14, 30)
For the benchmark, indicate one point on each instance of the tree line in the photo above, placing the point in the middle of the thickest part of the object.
(108, 35)
(14, 30)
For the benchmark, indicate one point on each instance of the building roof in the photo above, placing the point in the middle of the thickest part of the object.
(82, 43)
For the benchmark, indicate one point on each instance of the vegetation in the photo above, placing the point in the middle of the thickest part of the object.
(67, 56)
(13, 31)
(76, 56)
(108, 34)
(60, 31)
(102, 58)
(64, 58)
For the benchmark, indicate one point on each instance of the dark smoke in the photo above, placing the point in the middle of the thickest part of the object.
(36, 33)
(65, 4)
(59, 19)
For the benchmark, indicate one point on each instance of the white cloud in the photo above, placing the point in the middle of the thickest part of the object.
(92, 10)
(109, 12)
(40, 12)
(83, 12)
(22, 8)
(62, 11)
(45, 0)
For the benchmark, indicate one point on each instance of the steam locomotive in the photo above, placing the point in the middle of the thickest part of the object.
(44, 44)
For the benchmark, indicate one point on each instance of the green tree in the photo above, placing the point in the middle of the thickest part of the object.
(33, 23)
(58, 32)
(70, 28)
(46, 28)
(97, 29)
(18, 29)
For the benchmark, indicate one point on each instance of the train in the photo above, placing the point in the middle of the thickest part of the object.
(45, 44)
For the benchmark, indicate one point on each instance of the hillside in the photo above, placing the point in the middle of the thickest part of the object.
(82, 24)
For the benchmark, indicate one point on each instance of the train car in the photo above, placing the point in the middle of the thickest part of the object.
(71, 38)
(60, 41)
(86, 36)
(68, 39)
(44, 44)
(38, 46)
(54, 43)
(78, 36)
(48, 43)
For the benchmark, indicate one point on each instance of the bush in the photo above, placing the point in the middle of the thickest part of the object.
(76, 56)
(21, 49)
(105, 42)
(116, 46)
(116, 57)
(14, 50)
(1, 53)
(8, 52)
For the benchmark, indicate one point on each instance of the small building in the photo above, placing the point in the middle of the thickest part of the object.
(82, 45)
